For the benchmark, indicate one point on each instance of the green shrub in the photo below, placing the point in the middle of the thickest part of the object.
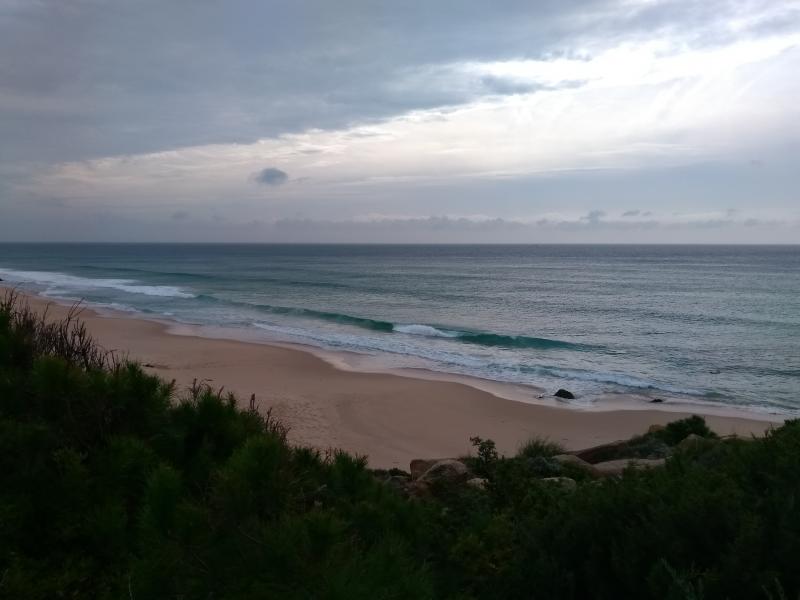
(536, 447)
(676, 431)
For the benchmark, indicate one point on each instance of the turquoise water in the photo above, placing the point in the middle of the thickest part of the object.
(702, 323)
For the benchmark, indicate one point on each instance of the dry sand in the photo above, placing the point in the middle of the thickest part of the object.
(391, 418)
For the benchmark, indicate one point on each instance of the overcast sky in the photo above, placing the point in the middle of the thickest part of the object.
(388, 121)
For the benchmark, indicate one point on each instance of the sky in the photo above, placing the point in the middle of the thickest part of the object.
(453, 121)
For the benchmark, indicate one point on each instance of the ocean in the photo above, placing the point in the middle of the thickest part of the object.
(702, 324)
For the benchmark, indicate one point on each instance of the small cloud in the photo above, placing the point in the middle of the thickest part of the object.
(631, 213)
(271, 176)
(503, 86)
(593, 216)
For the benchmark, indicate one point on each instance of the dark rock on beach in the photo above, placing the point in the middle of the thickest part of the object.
(566, 394)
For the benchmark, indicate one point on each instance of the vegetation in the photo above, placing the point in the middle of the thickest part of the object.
(112, 485)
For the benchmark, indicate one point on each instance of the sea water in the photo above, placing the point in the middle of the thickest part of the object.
(706, 324)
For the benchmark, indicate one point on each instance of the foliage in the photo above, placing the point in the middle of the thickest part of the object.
(112, 485)
(676, 431)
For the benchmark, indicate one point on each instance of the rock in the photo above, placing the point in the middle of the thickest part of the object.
(690, 441)
(478, 483)
(571, 459)
(655, 428)
(614, 468)
(562, 393)
(420, 465)
(656, 401)
(566, 483)
(446, 471)
(603, 452)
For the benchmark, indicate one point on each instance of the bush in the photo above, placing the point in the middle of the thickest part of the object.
(676, 431)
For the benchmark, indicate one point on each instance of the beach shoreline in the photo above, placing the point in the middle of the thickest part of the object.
(336, 400)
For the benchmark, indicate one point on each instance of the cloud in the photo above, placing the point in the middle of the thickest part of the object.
(581, 106)
(271, 176)
(278, 67)
(593, 216)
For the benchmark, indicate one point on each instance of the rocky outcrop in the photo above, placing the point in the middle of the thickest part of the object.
(575, 461)
(615, 468)
(446, 471)
(690, 441)
(566, 394)
(420, 465)
(601, 453)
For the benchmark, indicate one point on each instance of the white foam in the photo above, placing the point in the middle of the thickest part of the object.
(427, 330)
(62, 281)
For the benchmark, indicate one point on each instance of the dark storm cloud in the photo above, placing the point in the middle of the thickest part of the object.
(91, 78)
(271, 176)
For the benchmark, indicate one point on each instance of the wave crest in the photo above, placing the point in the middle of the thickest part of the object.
(72, 282)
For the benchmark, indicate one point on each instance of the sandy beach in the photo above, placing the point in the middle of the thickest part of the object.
(389, 417)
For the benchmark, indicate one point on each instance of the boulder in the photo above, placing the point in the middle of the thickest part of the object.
(478, 483)
(446, 471)
(690, 441)
(656, 401)
(566, 394)
(420, 465)
(614, 468)
(575, 461)
(601, 453)
(566, 483)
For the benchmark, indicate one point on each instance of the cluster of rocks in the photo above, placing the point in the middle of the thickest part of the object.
(597, 462)
(427, 472)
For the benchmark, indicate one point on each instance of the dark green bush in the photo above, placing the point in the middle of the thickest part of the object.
(676, 431)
